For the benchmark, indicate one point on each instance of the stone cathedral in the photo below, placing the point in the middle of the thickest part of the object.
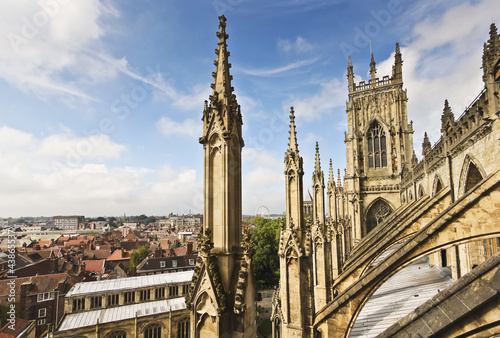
(381, 242)
(394, 247)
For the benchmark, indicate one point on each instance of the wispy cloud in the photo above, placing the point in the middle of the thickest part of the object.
(278, 70)
(188, 127)
(42, 51)
(300, 45)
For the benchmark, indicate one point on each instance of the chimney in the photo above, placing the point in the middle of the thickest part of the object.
(172, 252)
(81, 270)
(189, 248)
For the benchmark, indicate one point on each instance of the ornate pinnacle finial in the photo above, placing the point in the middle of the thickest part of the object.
(339, 180)
(373, 71)
(397, 68)
(491, 54)
(331, 179)
(222, 78)
(426, 145)
(447, 119)
(350, 75)
(292, 138)
(318, 164)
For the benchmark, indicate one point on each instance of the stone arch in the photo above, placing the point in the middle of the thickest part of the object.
(183, 327)
(472, 173)
(153, 330)
(437, 185)
(376, 138)
(206, 326)
(293, 291)
(117, 334)
(405, 262)
(421, 191)
(376, 213)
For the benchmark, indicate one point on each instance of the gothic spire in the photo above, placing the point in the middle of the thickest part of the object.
(339, 180)
(331, 178)
(350, 75)
(317, 167)
(222, 106)
(373, 71)
(222, 89)
(491, 53)
(426, 145)
(292, 139)
(447, 119)
(397, 69)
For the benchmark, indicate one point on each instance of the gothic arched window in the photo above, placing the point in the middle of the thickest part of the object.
(473, 177)
(377, 146)
(183, 329)
(153, 331)
(118, 334)
(377, 214)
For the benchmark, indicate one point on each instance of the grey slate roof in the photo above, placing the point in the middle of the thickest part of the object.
(120, 284)
(90, 318)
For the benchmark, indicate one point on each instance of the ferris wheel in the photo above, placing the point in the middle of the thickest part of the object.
(262, 211)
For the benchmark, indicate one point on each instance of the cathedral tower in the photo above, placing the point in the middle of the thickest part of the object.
(379, 144)
(222, 294)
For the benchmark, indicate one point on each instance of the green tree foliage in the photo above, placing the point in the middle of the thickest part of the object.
(265, 238)
(112, 222)
(138, 256)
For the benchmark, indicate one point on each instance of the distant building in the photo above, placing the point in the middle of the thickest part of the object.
(38, 298)
(68, 222)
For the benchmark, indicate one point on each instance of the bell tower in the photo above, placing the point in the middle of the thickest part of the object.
(379, 144)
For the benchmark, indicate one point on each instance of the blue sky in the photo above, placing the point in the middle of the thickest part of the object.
(102, 100)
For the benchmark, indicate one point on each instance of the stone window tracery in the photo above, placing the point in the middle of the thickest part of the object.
(377, 214)
(153, 331)
(377, 146)
(118, 334)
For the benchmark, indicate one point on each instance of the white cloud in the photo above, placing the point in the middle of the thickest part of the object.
(43, 45)
(278, 70)
(442, 61)
(330, 96)
(262, 180)
(36, 180)
(300, 45)
(188, 127)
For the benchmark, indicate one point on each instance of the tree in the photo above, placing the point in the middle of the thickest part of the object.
(137, 257)
(100, 219)
(112, 222)
(265, 260)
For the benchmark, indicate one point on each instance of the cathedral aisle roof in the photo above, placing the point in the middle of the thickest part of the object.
(402, 293)
(113, 285)
(90, 318)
